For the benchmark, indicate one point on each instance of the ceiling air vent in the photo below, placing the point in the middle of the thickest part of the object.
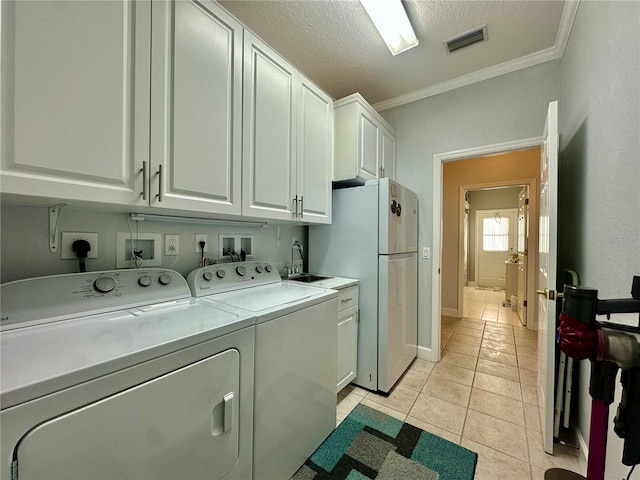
(469, 38)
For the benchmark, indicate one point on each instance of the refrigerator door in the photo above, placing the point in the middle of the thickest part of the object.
(398, 211)
(398, 316)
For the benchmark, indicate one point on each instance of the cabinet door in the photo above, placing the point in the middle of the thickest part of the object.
(388, 150)
(368, 146)
(347, 346)
(196, 108)
(269, 183)
(314, 162)
(75, 99)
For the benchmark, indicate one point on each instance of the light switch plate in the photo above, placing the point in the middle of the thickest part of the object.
(426, 252)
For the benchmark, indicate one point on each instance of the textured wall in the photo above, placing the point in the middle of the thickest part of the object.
(25, 240)
(502, 109)
(599, 207)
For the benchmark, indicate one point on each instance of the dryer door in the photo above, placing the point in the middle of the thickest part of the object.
(181, 425)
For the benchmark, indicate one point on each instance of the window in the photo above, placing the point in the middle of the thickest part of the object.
(495, 234)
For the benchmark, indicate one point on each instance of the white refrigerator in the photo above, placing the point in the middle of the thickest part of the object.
(374, 238)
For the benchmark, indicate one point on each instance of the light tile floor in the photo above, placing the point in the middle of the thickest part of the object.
(481, 395)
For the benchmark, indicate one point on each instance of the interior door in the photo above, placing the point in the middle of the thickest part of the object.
(523, 252)
(496, 236)
(547, 257)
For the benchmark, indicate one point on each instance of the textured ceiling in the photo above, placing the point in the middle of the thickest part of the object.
(334, 43)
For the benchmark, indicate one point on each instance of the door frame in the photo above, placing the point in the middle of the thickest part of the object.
(438, 160)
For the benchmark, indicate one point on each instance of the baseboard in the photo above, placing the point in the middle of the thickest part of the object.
(584, 447)
(425, 353)
(450, 312)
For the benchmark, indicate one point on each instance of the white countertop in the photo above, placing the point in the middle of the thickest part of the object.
(335, 283)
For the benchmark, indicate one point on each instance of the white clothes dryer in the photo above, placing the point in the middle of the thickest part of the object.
(295, 359)
(122, 374)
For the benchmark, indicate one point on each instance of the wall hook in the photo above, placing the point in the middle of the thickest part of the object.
(54, 218)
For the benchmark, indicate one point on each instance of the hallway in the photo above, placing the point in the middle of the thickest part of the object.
(481, 395)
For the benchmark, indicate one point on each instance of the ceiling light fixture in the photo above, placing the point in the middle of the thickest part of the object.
(393, 24)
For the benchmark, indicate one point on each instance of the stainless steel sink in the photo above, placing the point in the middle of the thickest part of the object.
(308, 278)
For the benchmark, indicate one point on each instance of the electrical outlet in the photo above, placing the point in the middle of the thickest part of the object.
(171, 244)
(201, 237)
(66, 250)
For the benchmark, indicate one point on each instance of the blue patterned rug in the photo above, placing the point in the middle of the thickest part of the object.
(371, 445)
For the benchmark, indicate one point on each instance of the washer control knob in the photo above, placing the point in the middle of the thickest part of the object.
(207, 275)
(241, 271)
(144, 281)
(268, 268)
(164, 279)
(104, 284)
(221, 273)
(259, 269)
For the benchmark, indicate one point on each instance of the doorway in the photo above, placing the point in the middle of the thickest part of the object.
(494, 252)
(502, 165)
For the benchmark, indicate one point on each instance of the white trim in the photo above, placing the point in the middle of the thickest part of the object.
(450, 312)
(438, 160)
(425, 353)
(584, 447)
(546, 55)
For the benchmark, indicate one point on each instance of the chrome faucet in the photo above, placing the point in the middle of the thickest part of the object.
(300, 248)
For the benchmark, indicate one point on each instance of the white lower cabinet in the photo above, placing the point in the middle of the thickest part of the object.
(348, 318)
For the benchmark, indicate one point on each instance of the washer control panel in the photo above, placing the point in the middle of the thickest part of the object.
(223, 277)
(67, 296)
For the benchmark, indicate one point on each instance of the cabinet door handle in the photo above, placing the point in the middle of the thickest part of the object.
(160, 183)
(295, 202)
(301, 206)
(145, 181)
(382, 169)
(345, 300)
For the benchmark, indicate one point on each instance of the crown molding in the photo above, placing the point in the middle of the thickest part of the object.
(546, 55)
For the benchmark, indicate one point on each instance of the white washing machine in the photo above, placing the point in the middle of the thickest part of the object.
(123, 375)
(295, 359)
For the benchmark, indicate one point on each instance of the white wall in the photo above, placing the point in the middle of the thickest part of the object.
(600, 165)
(25, 252)
(502, 109)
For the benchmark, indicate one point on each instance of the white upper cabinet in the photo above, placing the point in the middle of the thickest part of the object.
(314, 147)
(269, 154)
(81, 125)
(75, 99)
(365, 144)
(139, 103)
(196, 108)
(287, 140)
(388, 154)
